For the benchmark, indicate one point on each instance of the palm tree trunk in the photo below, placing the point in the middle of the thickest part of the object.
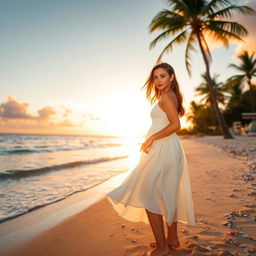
(251, 95)
(220, 117)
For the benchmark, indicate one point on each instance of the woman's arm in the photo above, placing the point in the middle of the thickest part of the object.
(168, 102)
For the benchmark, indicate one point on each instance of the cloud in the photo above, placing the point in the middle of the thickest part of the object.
(46, 112)
(15, 117)
(14, 109)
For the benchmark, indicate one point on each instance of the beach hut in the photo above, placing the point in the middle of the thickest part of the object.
(251, 129)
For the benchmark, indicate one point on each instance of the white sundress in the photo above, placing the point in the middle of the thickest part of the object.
(160, 181)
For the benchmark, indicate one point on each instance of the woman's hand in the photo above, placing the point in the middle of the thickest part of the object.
(146, 145)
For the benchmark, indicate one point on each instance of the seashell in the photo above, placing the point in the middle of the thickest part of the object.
(209, 248)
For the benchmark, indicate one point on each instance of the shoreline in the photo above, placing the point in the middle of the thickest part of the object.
(217, 185)
(54, 202)
(19, 229)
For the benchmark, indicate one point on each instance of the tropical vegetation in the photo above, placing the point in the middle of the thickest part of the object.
(191, 21)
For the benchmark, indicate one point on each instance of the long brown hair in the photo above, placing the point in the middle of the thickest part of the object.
(153, 93)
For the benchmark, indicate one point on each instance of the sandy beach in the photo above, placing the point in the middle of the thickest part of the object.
(223, 179)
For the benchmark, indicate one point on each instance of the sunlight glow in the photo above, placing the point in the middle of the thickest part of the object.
(132, 148)
(126, 116)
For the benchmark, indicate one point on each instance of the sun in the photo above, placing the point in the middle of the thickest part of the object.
(126, 116)
(124, 122)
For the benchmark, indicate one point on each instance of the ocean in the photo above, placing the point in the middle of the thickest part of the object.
(36, 170)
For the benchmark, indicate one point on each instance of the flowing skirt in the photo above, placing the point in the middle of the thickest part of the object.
(159, 183)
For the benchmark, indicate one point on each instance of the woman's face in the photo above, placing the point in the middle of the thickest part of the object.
(162, 79)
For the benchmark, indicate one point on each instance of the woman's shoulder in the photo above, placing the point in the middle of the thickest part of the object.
(169, 100)
(169, 96)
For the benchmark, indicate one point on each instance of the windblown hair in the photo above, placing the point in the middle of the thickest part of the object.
(153, 94)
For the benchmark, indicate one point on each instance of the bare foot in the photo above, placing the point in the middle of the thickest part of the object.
(174, 242)
(158, 251)
(152, 244)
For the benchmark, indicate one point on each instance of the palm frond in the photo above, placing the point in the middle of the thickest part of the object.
(235, 67)
(216, 36)
(189, 47)
(215, 5)
(170, 13)
(236, 79)
(180, 38)
(165, 21)
(228, 11)
(178, 5)
(248, 63)
(253, 60)
(254, 72)
(224, 30)
(162, 36)
(230, 27)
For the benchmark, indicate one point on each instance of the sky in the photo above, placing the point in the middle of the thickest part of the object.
(78, 67)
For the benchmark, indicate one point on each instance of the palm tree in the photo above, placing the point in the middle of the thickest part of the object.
(235, 105)
(191, 21)
(247, 68)
(203, 90)
(235, 95)
(202, 118)
(194, 110)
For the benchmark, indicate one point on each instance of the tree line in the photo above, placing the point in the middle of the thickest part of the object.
(235, 96)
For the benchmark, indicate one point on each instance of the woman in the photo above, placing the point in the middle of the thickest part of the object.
(159, 186)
